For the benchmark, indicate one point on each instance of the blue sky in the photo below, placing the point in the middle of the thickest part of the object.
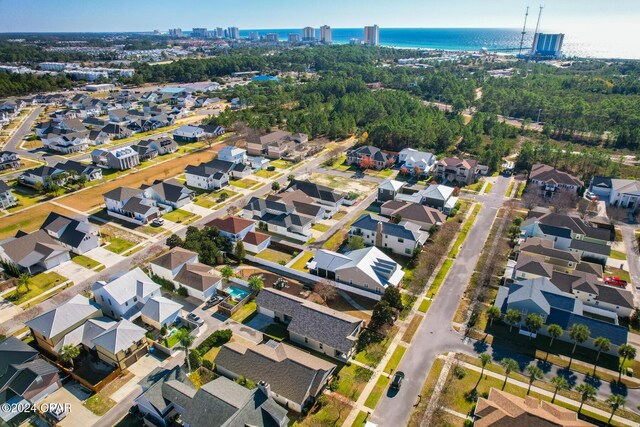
(147, 15)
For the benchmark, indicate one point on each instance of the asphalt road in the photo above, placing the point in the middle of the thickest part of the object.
(436, 334)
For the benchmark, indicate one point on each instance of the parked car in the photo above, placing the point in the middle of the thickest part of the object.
(157, 222)
(590, 195)
(195, 319)
(213, 301)
(615, 281)
(397, 381)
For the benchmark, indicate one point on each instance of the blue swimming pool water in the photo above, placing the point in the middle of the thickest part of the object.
(237, 293)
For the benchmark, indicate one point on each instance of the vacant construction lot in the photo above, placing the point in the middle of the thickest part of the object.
(29, 219)
(91, 198)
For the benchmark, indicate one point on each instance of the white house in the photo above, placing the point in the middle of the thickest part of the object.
(401, 239)
(125, 296)
(617, 192)
(410, 158)
(168, 265)
(188, 133)
(232, 154)
(233, 227)
(205, 177)
(160, 311)
(79, 236)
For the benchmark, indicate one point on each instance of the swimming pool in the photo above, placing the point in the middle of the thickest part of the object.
(237, 293)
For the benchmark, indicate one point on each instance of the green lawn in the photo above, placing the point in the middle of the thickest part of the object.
(464, 232)
(244, 312)
(85, 261)
(369, 359)
(38, 284)
(376, 393)
(277, 331)
(509, 189)
(618, 255)
(487, 189)
(437, 282)
(245, 183)
(211, 354)
(172, 340)
(178, 215)
(360, 420)
(424, 305)
(204, 202)
(393, 363)
(281, 164)
(474, 187)
(275, 256)
(520, 190)
(302, 261)
(334, 242)
(321, 227)
(623, 274)
(352, 380)
(99, 404)
(331, 412)
(118, 245)
(339, 215)
(263, 173)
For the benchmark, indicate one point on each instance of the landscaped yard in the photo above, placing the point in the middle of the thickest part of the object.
(281, 164)
(118, 245)
(245, 312)
(99, 404)
(85, 261)
(301, 262)
(178, 215)
(331, 412)
(263, 173)
(321, 227)
(623, 274)
(275, 256)
(334, 242)
(395, 359)
(245, 183)
(376, 393)
(38, 284)
(339, 215)
(618, 255)
(352, 380)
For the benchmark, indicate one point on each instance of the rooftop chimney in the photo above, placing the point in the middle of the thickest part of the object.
(379, 235)
(265, 388)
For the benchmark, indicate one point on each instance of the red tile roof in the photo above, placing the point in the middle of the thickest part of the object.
(254, 238)
(230, 224)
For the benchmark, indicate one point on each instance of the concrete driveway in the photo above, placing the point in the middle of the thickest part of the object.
(72, 271)
(105, 257)
(78, 416)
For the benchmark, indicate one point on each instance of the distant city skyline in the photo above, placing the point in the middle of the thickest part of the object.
(149, 15)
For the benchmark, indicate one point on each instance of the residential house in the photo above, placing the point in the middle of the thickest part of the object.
(67, 143)
(165, 394)
(404, 238)
(206, 177)
(232, 154)
(124, 296)
(121, 158)
(116, 130)
(39, 177)
(255, 242)
(277, 145)
(122, 344)
(257, 163)
(367, 268)
(233, 227)
(25, 378)
(212, 131)
(501, 409)
(163, 146)
(145, 152)
(414, 160)
(389, 189)
(78, 236)
(188, 133)
(302, 204)
(425, 216)
(170, 194)
(181, 266)
(379, 158)
(34, 252)
(321, 194)
(617, 192)
(278, 217)
(119, 115)
(160, 311)
(9, 160)
(440, 197)
(312, 325)
(7, 199)
(541, 296)
(50, 328)
(549, 179)
(295, 378)
(72, 167)
(129, 204)
(457, 170)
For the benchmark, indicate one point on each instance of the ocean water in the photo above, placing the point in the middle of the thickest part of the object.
(584, 44)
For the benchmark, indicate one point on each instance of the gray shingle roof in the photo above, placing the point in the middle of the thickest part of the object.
(120, 336)
(64, 316)
(320, 323)
(175, 257)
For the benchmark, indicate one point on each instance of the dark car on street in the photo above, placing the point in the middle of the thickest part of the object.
(397, 381)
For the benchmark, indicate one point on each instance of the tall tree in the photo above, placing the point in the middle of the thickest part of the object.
(240, 252)
(493, 313)
(554, 332)
(513, 317)
(226, 272)
(559, 383)
(602, 344)
(68, 353)
(509, 365)
(615, 401)
(185, 341)
(578, 333)
(627, 352)
(534, 322)
(534, 373)
(485, 359)
(587, 392)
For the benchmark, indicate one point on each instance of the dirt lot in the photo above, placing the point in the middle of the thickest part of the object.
(29, 219)
(91, 198)
(342, 183)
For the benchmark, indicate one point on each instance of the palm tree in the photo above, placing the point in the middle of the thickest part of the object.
(185, 341)
(615, 401)
(226, 272)
(69, 352)
(534, 322)
(485, 359)
(625, 351)
(559, 383)
(554, 332)
(535, 373)
(493, 313)
(587, 392)
(513, 317)
(602, 344)
(509, 366)
(23, 281)
(579, 333)
(255, 283)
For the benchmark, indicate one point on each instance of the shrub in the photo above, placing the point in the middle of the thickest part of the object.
(206, 363)
(182, 291)
(216, 339)
(195, 359)
(163, 330)
(459, 372)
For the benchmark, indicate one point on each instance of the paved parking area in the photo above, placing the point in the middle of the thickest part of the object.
(78, 416)
(72, 271)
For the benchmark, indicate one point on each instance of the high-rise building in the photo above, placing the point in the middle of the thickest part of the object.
(294, 38)
(175, 32)
(308, 34)
(325, 34)
(547, 45)
(253, 35)
(199, 32)
(219, 32)
(372, 35)
(234, 33)
(271, 37)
